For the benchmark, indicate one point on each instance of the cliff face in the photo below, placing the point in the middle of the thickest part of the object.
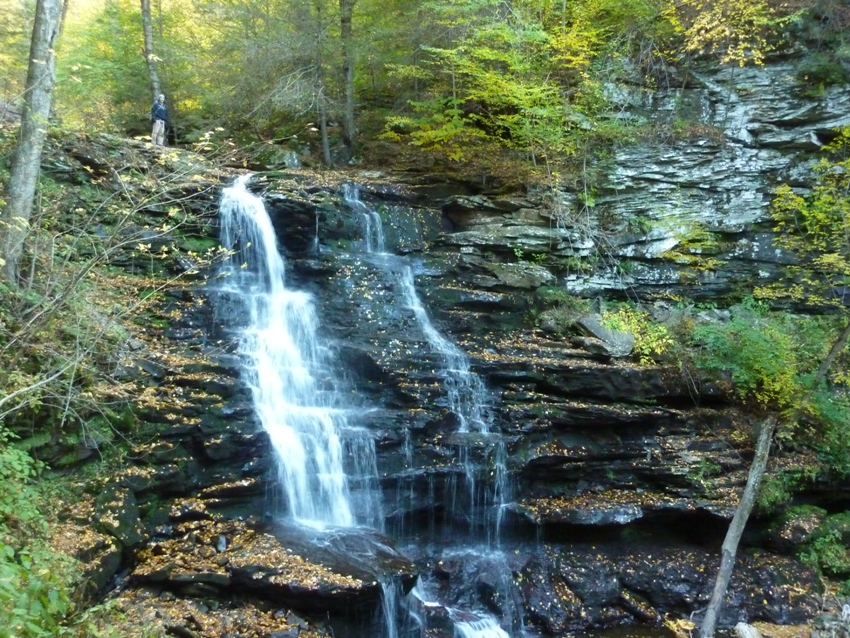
(594, 491)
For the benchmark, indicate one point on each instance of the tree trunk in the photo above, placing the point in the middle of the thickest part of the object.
(23, 177)
(736, 528)
(323, 127)
(150, 58)
(321, 102)
(745, 507)
(349, 133)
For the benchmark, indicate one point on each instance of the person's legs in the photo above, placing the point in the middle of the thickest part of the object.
(158, 133)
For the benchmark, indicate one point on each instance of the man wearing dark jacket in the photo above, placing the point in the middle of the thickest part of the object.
(159, 118)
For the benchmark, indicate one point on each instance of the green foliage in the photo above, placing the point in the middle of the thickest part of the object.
(559, 308)
(101, 74)
(816, 229)
(737, 32)
(828, 554)
(757, 352)
(827, 549)
(695, 247)
(14, 44)
(773, 493)
(558, 296)
(819, 71)
(35, 583)
(770, 358)
(639, 225)
(523, 77)
(652, 340)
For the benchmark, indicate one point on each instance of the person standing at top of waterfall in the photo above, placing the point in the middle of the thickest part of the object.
(159, 119)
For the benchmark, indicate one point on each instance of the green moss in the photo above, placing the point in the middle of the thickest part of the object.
(195, 244)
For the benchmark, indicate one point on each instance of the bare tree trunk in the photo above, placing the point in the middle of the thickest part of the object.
(736, 528)
(23, 177)
(349, 133)
(150, 58)
(745, 507)
(323, 127)
(321, 100)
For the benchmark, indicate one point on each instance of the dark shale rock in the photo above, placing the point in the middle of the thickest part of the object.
(117, 513)
(99, 555)
(616, 343)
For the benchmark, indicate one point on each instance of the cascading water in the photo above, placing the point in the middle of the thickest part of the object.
(373, 229)
(469, 401)
(466, 392)
(486, 627)
(284, 356)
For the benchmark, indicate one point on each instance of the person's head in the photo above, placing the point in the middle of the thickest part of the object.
(160, 98)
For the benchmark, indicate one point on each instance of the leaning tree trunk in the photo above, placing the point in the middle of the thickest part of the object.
(736, 528)
(23, 176)
(150, 58)
(349, 132)
(745, 507)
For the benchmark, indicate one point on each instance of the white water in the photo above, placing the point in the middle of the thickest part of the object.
(486, 627)
(284, 354)
(390, 596)
(468, 399)
(373, 229)
(465, 391)
(466, 625)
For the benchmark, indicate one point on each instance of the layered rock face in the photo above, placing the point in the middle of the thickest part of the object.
(582, 490)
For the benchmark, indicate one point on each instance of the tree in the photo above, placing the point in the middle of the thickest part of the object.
(755, 474)
(349, 131)
(815, 229)
(150, 58)
(15, 31)
(26, 162)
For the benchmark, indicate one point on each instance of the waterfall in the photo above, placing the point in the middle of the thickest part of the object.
(485, 627)
(469, 401)
(373, 229)
(465, 391)
(283, 354)
(390, 597)
(465, 624)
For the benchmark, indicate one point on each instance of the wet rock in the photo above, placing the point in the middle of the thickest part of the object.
(262, 565)
(522, 275)
(833, 623)
(575, 589)
(146, 608)
(117, 513)
(550, 602)
(189, 509)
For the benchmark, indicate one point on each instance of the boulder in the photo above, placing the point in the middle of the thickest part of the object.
(615, 342)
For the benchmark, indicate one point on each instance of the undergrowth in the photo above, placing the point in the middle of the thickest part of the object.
(64, 330)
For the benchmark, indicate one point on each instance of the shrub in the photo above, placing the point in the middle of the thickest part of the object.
(35, 583)
(652, 340)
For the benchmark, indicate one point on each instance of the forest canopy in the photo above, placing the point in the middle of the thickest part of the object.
(530, 76)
